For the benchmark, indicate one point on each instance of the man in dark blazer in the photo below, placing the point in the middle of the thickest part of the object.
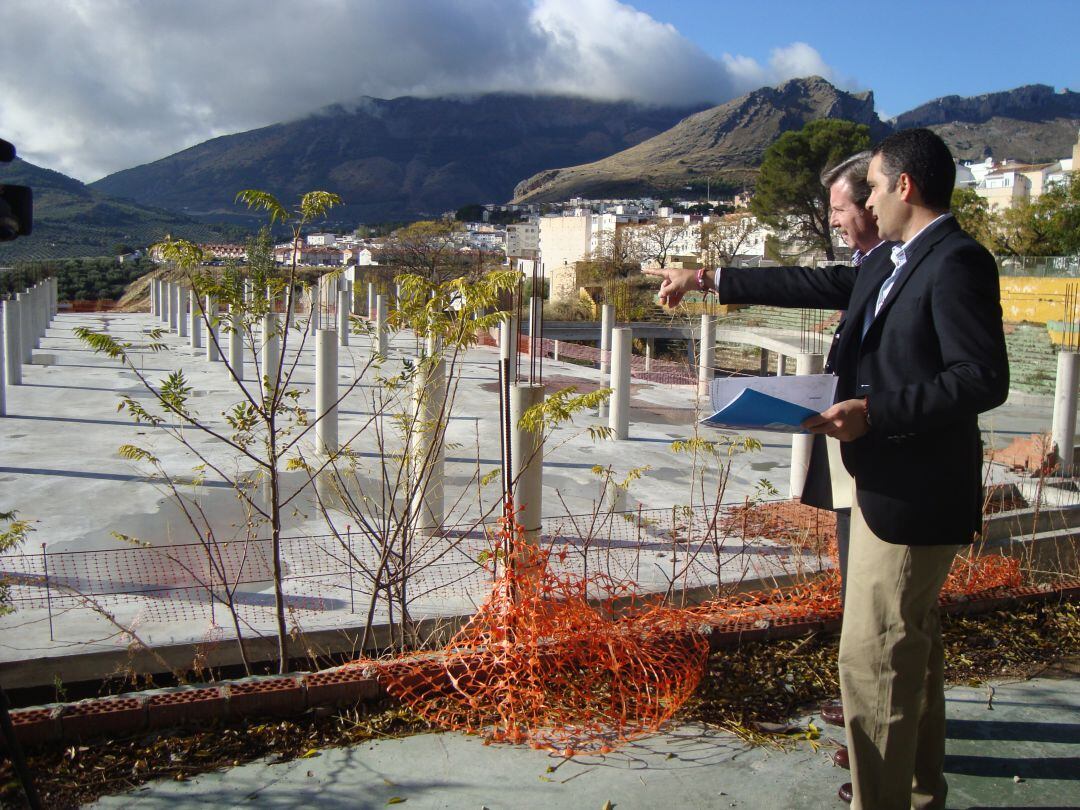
(923, 353)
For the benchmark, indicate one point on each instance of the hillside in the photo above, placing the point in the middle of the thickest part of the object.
(722, 143)
(398, 159)
(71, 219)
(1030, 123)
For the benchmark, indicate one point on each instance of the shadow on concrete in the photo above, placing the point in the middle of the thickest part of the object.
(1013, 730)
(1034, 768)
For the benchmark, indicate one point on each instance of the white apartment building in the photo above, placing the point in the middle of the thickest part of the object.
(321, 239)
(523, 240)
(1004, 184)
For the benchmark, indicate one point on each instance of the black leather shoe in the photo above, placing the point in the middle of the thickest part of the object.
(833, 714)
(845, 793)
(840, 759)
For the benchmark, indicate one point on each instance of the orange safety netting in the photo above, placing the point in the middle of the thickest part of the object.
(541, 664)
(579, 664)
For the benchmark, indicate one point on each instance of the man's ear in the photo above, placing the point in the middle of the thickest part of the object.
(909, 192)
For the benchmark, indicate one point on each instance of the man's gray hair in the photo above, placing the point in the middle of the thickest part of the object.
(853, 170)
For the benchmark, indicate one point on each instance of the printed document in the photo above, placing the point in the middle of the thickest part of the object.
(777, 404)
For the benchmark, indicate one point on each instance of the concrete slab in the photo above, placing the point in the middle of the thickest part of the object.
(1032, 732)
(59, 466)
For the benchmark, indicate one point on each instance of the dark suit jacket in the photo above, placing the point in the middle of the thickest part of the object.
(930, 362)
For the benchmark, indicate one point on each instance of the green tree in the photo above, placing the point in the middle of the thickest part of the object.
(973, 214)
(789, 196)
(429, 249)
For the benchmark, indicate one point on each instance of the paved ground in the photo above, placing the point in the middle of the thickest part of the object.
(1032, 732)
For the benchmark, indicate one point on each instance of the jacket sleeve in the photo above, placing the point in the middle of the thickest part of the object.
(965, 308)
(811, 287)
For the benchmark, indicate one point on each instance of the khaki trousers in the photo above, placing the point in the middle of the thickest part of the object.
(892, 671)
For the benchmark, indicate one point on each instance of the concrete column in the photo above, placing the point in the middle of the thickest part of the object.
(174, 306)
(271, 348)
(428, 448)
(26, 340)
(802, 442)
(607, 323)
(1063, 432)
(197, 321)
(763, 367)
(12, 343)
(164, 300)
(527, 458)
(213, 332)
(343, 317)
(352, 296)
(153, 296)
(313, 312)
(622, 340)
(650, 350)
(37, 299)
(326, 391)
(382, 338)
(508, 343)
(183, 314)
(780, 360)
(706, 354)
(55, 295)
(555, 350)
(371, 299)
(236, 343)
(3, 379)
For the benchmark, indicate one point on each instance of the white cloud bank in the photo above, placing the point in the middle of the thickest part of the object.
(89, 87)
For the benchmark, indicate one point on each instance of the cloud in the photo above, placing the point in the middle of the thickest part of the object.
(89, 87)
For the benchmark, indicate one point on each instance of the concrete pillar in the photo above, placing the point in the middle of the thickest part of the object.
(26, 340)
(352, 296)
(428, 448)
(55, 295)
(763, 368)
(780, 360)
(153, 296)
(213, 332)
(382, 337)
(622, 341)
(527, 458)
(236, 343)
(555, 350)
(343, 317)
(607, 323)
(706, 354)
(183, 313)
(371, 300)
(1063, 431)
(650, 350)
(3, 379)
(164, 300)
(195, 328)
(271, 348)
(37, 308)
(326, 391)
(174, 306)
(508, 343)
(12, 343)
(801, 443)
(313, 311)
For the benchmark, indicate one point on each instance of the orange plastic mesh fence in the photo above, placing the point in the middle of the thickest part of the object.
(540, 663)
(582, 663)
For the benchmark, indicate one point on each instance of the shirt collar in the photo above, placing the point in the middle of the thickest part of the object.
(901, 252)
(858, 257)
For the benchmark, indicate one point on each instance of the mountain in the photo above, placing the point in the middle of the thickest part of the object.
(397, 159)
(724, 143)
(1031, 123)
(71, 219)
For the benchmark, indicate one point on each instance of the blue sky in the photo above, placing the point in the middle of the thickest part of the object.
(89, 87)
(906, 52)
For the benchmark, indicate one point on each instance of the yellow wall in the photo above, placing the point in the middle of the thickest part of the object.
(1035, 300)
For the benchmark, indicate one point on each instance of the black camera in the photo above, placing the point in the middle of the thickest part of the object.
(16, 203)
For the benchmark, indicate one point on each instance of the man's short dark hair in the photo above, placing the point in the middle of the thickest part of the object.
(853, 171)
(924, 157)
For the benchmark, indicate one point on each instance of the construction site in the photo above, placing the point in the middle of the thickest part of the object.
(489, 519)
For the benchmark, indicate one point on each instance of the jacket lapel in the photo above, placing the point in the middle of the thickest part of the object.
(924, 245)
